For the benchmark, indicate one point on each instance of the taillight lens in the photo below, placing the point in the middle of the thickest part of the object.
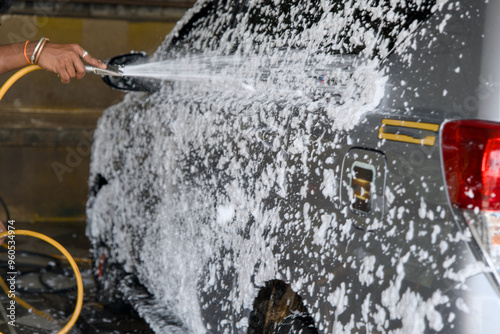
(471, 160)
(490, 170)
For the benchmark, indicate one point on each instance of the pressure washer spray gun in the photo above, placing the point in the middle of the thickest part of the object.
(111, 70)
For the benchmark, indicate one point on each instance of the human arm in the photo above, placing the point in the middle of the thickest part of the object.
(63, 59)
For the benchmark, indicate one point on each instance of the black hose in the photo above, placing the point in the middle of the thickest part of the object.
(41, 270)
(5, 208)
(56, 260)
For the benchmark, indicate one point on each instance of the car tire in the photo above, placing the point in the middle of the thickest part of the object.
(296, 325)
(279, 310)
(107, 277)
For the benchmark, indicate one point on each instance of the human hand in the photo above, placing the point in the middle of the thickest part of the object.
(66, 60)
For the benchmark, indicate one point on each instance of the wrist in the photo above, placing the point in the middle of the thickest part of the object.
(37, 51)
(29, 48)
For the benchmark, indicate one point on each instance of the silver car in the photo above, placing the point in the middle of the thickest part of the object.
(307, 167)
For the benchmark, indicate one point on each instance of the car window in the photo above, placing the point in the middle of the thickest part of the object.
(440, 64)
(297, 49)
(371, 27)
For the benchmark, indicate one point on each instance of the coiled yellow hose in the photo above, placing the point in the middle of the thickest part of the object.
(78, 276)
(79, 282)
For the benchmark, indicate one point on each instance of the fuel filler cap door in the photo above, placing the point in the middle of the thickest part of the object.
(362, 191)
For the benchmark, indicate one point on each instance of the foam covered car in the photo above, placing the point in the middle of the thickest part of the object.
(308, 167)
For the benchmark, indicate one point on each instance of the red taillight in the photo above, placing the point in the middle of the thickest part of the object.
(471, 158)
(491, 172)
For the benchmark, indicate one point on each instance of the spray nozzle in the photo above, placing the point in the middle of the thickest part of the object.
(120, 77)
(111, 70)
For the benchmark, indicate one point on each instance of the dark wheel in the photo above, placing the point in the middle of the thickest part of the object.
(279, 310)
(296, 325)
(108, 277)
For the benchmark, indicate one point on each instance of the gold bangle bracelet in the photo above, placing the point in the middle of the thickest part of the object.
(38, 49)
(45, 40)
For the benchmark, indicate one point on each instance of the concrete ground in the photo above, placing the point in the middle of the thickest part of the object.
(45, 282)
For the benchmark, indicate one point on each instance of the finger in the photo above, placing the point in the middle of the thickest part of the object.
(80, 68)
(65, 78)
(93, 61)
(80, 71)
(70, 69)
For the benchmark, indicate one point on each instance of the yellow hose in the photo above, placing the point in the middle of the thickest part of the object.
(78, 276)
(79, 282)
(15, 77)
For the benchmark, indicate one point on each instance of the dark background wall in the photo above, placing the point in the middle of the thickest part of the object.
(46, 127)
